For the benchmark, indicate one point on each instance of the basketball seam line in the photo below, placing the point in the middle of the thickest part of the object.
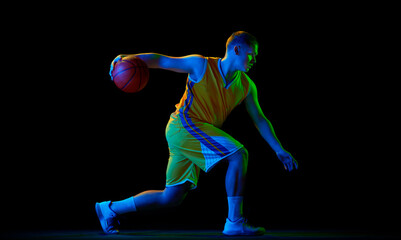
(123, 71)
(129, 79)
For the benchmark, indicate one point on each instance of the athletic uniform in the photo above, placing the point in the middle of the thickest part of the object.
(193, 132)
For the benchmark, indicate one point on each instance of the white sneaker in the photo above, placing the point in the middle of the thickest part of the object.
(241, 228)
(107, 218)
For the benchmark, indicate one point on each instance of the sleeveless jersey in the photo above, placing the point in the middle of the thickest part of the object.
(193, 133)
(210, 99)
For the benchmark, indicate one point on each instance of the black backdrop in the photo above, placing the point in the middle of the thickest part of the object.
(75, 139)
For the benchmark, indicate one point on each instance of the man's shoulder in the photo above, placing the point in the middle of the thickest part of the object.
(213, 61)
(246, 79)
(247, 83)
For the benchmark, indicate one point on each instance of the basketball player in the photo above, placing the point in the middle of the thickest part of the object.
(214, 88)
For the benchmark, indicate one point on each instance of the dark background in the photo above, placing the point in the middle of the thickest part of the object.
(74, 139)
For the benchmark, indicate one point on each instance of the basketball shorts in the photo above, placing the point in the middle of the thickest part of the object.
(193, 147)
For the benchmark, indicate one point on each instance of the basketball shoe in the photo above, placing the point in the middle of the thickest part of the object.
(241, 228)
(107, 218)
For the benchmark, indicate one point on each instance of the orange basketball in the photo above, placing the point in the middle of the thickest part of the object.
(130, 74)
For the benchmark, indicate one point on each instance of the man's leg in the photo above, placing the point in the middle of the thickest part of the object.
(156, 199)
(235, 184)
(148, 200)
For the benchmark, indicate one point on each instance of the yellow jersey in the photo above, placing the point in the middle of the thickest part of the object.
(193, 133)
(210, 99)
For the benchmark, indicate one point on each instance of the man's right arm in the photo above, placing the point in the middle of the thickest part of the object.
(191, 64)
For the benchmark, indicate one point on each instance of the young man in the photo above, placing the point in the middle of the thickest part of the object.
(214, 88)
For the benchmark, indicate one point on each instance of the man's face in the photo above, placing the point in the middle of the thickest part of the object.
(246, 57)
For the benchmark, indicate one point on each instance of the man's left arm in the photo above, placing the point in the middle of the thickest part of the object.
(265, 128)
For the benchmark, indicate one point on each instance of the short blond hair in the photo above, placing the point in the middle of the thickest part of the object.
(242, 37)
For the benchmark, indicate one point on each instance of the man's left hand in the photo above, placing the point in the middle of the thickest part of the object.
(288, 160)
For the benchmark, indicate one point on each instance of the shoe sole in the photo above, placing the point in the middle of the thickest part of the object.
(238, 233)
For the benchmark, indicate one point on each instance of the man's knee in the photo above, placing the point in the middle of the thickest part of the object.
(175, 201)
(240, 157)
(174, 196)
(244, 152)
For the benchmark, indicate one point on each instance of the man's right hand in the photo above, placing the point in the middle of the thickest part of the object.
(118, 58)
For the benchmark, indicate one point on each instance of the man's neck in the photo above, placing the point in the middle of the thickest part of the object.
(228, 69)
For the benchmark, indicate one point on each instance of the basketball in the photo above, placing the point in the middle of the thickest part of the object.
(130, 74)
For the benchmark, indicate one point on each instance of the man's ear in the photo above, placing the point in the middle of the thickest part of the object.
(236, 50)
